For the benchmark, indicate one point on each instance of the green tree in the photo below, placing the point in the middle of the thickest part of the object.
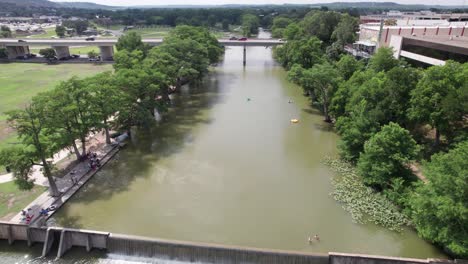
(92, 54)
(305, 52)
(321, 80)
(5, 32)
(250, 24)
(355, 129)
(78, 25)
(345, 30)
(19, 161)
(387, 155)
(440, 99)
(321, 24)
(48, 53)
(105, 100)
(130, 42)
(279, 25)
(348, 65)
(225, 24)
(3, 53)
(60, 31)
(439, 208)
(39, 142)
(383, 60)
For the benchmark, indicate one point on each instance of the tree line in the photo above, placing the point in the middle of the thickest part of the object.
(389, 115)
(129, 96)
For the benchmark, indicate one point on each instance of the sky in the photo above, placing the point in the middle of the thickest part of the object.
(221, 2)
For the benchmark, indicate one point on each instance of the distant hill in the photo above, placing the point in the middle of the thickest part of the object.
(49, 4)
(85, 5)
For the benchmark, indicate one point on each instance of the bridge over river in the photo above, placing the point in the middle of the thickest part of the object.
(16, 47)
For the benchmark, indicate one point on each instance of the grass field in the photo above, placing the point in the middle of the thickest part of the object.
(19, 82)
(12, 200)
(49, 32)
(73, 50)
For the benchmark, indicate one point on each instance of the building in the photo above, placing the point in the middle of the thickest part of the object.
(430, 50)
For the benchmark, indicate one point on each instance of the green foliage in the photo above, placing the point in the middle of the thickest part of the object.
(305, 52)
(345, 31)
(78, 25)
(92, 54)
(321, 24)
(348, 65)
(3, 53)
(250, 24)
(18, 160)
(48, 53)
(441, 99)
(440, 207)
(355, 130)
(321, 80)
(383, 60)
(5, 32)
(279, 25)
(387, 155)
(130, 42)
(363, 203)
(60, 31)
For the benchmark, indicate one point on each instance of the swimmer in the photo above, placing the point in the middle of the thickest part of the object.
(289, 101)
(316, 237)
(310, 240)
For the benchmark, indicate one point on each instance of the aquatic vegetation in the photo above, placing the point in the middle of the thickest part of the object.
(363, 203)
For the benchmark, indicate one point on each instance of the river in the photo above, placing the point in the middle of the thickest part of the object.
(227, 166)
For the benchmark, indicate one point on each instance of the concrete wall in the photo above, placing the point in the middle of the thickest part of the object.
(371, 33)
(187, 251)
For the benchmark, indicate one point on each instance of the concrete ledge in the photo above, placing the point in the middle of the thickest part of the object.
(204, 252)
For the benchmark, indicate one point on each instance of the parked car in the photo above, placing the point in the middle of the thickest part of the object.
(89, 39)
(233, 38)
(92, 59)
(20, 40)
(64, 58)
(32, 55)
(243, 39)
(75, 56)
(22, 57)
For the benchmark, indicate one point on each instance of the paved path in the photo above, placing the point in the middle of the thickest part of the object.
(67, 187)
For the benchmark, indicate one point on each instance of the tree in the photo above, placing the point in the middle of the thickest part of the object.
(439, 208)
(105, 99)
(48, 53)
(387, 155)
(305, 52)
(78, 25)
(3, 53)
(225, 24)
(250, 24)
(345, 31)
(60, 31)
(18, 160)
(383, 60)
(321, 24)
(322, 80)
(279, 25)
(130, 42)
(92, 54)
(348, 65)
(5, 32)
(38, 140)
(355, 130)
(440, 99)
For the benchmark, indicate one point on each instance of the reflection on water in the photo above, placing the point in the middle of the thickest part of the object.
(227, 166)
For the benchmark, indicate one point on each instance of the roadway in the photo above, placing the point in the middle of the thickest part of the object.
(112, 42)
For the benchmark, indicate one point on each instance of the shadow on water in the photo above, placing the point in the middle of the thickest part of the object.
(147, 146)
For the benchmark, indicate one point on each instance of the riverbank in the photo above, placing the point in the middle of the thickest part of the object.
(69, 184)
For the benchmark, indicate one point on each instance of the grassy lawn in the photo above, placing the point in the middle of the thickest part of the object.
(151, 32)
(19, 82)
(49, 32)
(13, 200)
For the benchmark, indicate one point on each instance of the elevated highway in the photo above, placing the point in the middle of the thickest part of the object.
(20, 47)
